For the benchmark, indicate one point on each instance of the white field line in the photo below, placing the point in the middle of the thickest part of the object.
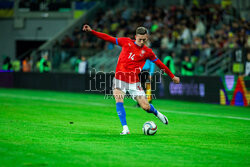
(109, 105)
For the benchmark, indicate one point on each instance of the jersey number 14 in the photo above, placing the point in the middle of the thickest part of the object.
(131, 56)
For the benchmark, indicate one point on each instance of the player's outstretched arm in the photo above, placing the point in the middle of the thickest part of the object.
(100, 35)
(167, 71)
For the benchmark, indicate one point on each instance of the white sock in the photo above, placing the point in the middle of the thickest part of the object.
(125, 128)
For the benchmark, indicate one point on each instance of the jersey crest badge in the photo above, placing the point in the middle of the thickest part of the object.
(142, 52)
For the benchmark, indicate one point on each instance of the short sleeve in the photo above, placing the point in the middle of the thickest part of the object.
(121, 41)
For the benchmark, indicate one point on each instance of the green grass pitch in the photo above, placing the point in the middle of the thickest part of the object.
(35, 130)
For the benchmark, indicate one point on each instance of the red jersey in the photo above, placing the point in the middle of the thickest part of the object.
(132, 58)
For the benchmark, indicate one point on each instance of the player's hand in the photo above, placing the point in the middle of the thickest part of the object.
(176, 80)
(86, 28)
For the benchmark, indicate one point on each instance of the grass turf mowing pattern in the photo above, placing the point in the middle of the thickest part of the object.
(35, 130)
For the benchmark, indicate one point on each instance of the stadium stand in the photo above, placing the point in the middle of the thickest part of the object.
(204, 33)
(210, 34)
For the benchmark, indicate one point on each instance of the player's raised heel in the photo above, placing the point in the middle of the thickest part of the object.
(162, 118)
(124, 132)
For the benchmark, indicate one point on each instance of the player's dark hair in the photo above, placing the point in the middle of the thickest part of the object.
(141, 31)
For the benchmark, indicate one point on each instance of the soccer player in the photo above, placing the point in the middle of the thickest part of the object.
(131, 60)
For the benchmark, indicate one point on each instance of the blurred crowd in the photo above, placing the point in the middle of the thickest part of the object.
(197, 31)
(209, 26)
(43, 65)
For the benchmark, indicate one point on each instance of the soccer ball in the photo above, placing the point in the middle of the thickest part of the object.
(149, 128)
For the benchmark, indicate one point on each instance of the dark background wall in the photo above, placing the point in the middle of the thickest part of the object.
(200, 89)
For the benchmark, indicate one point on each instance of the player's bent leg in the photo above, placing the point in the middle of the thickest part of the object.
(119, 98)
(143, 102)
(150, 109)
